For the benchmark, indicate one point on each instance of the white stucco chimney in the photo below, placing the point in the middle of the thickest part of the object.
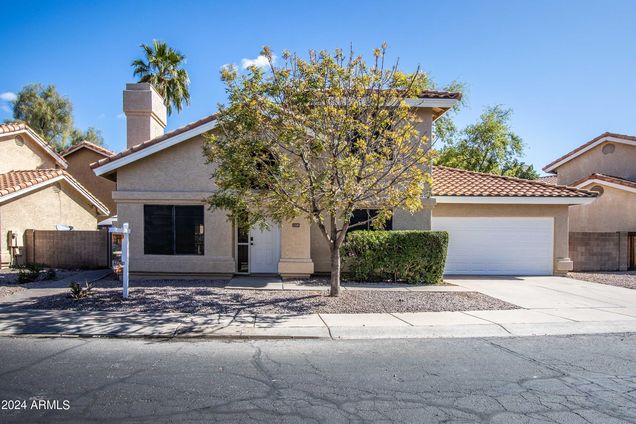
(145, 113)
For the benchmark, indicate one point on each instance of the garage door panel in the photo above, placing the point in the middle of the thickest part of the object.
(498, 245)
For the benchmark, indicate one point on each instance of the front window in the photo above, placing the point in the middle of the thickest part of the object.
(361, 220)
(173, 230)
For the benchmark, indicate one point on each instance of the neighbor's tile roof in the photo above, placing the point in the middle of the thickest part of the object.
(13, 181)
(458, 182)
(154, 141)
(550, 179)
(87, 144)
(583, 146)
(12, 127)
(608, 178)
(435, 94)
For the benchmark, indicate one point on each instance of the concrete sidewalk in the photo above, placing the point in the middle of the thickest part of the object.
(520, 322)
(550, 306)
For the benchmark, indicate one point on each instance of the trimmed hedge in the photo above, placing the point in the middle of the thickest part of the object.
(407, 256)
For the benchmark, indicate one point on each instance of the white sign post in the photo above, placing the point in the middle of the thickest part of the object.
(124, 254)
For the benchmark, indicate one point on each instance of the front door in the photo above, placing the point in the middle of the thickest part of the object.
(264, 249)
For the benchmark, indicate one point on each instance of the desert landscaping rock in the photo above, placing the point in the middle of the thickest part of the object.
(210, 299)
(619, 279)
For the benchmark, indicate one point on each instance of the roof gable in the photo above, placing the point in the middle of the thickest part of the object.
(429, 98)
(85, 144)
(22, 128)
(605, 137)
(18, 183)
(607, 180)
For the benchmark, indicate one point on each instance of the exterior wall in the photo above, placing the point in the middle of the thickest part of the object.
(42, 210)
(562, 262)
(599, 251)
(79, 167)
(27, 156)
(612, 211)
(218, 257)
(179, 168)
(295, 249)
(175, 176)
(620, 164)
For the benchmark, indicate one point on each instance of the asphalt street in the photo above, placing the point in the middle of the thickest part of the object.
(573, 379)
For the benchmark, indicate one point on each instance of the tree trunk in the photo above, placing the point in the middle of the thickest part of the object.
(335, 271)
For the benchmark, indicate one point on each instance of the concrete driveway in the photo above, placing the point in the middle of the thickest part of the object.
(549, 292)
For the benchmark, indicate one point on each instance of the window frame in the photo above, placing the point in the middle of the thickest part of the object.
(368, 227)
(199, 248)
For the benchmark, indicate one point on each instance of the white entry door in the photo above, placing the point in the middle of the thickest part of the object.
(264, 249)
(504, 246)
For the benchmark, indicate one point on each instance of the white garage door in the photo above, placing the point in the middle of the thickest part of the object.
(504, 246)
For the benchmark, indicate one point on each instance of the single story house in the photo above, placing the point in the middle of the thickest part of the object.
(603, 233)
(36, 192)
(497, 225)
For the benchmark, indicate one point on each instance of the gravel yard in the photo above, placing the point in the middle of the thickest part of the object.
(8, 290)
(10, 276)
(625, 279)
(195, 298)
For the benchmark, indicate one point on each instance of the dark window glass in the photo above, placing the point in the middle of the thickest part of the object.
(188, 224)
(158, 231)
(362, 215)
(243, 265)
(173, 230)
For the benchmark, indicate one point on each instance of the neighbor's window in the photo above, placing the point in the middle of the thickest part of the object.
(362, 215)
(173, 230)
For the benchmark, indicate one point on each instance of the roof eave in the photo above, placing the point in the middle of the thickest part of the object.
(605, 137)
(517, 200)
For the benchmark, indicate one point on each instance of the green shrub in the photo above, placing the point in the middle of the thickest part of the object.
(408, 256)
(29, 272)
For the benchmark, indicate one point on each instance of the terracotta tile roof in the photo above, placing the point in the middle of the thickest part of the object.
(13, 181)
(435, 94)
(17, 180)
(594, 140)
(22, 127)
(155, 140)
(607, 178)
(87, 144)
(458, 182)
(549, 179)
(12, 126)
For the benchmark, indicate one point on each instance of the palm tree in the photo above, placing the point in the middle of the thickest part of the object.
(162, 69)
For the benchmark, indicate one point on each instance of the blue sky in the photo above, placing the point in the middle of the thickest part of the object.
(566, 68)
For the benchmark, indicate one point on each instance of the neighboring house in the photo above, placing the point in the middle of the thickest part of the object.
(550, 179)
(79, 158)
(36, 192)
(497, 225)
(602, 234)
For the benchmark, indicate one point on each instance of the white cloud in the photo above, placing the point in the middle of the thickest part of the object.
(121, 115)
(8, 96)
(259, 62)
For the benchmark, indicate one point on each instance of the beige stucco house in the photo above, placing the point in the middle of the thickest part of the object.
(36, 192)
(603, 233)
(79, 158)
(497, 225)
